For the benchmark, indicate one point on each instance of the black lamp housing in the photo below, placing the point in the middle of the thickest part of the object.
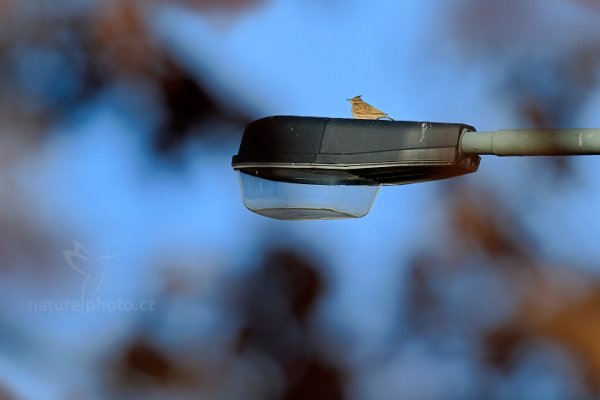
(339, 151)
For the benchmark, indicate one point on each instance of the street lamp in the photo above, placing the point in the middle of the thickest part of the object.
(330, 168)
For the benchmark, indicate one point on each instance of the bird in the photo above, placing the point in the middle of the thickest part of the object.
(363, 110)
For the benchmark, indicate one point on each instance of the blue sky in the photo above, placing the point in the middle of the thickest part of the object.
(292, 58)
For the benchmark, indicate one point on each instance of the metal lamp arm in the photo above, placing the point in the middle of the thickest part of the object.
(526, 142)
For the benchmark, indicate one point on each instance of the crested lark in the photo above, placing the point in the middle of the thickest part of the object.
(362, 110)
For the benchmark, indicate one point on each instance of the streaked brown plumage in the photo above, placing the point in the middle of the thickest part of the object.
(362, 110)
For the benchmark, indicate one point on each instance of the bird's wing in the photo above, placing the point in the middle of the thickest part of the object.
(371, 109)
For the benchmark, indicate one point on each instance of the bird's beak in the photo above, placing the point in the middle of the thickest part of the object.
(348, 99)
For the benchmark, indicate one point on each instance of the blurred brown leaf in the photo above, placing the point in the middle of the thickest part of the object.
(141, 364)
(121, 37)
(481, 222)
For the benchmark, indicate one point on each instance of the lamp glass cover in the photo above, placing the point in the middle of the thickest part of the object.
(294, 201)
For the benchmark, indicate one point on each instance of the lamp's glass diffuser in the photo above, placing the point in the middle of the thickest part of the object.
(289, 201)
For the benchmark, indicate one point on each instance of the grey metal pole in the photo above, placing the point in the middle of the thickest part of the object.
(526, 142)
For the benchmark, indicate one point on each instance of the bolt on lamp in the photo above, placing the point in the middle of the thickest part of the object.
(330, 168)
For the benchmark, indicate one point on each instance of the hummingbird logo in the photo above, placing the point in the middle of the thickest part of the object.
(92, 269)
